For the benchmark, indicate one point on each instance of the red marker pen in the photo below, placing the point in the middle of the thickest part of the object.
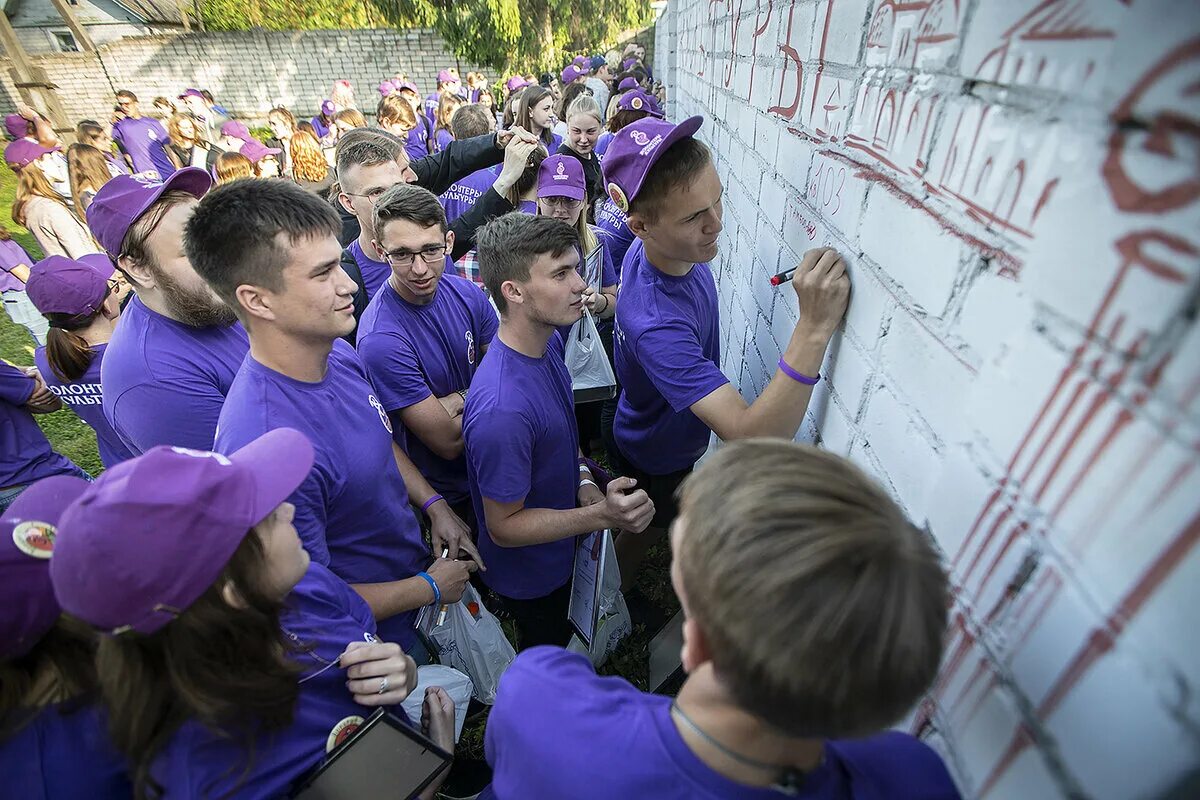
(783, 276)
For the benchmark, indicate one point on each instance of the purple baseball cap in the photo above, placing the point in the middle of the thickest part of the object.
(581, 61)
(26, 545)
(561, 176)
(256, 151)
(628, 63)
(412, 87)
(61, 285)
(515, 82)
(655, 108)
(633, 151)
(328, 108)
(152, 534)
(123, 199)
(191, 93)
(635, 100)
(17, 126)
(571, 73)
(627, 84)
(23, 152)
(236, 130)
(446, 76)
(386, 88)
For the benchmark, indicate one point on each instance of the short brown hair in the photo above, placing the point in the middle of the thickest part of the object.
(848, 601)
(508, 246)
(134, 245)
(411, 203)
(470, 120)
(232, 165)
(678, 166)
(366, 147)
(395, 109)
(232, 239)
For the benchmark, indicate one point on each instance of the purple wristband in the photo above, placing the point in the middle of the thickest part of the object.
(430, 502)
(797, 376)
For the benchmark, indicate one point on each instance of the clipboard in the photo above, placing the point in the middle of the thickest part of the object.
(385, 757)
(592, 267)
(583, 610)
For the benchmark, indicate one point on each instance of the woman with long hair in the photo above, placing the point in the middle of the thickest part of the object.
(535, 113)
(89, 131)
(283, 125)
(41, 209)
(309, 168)
(523, 194)
(230, 166)
(416, 142)
(583, 129)
(88, 171)
(187, 146)
(81, 299)
(569, 95)
(232, 664)
(53, 741)
(442, 135)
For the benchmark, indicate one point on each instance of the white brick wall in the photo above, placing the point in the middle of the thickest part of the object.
(247, 71)
(1014, 185)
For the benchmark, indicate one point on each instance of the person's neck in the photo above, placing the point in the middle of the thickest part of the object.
(99, 331)
(153, 300)
(364, 243)
(299, 359)
(524, 335)
(710, 708)
(134, 114)
(408, 296)
(664, 263)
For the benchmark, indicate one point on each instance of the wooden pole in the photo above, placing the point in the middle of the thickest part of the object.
(77, 30)
(35, 88)
(182, 5)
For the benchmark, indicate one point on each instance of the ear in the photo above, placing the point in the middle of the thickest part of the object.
(231, 595)
(139, 275)
(511, 293)
(379, 251)
(254, 302)
(449, 241)
(695, 650)
(638, 226)
(346, 202)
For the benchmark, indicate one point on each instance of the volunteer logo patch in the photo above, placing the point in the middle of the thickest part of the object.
(342, 731)
(34, 538)
(378, 406)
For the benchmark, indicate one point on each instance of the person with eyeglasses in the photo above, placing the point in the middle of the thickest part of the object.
(422, 338)
(82, 301)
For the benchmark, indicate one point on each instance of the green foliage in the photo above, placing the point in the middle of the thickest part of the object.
(511, 35)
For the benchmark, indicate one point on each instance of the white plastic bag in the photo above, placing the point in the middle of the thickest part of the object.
(613, 623)
(592, 376)
(456, 684)
(471, 640)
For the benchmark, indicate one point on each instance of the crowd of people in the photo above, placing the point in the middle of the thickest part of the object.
(327, 378)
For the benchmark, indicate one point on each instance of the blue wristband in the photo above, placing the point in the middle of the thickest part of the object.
(437, 594)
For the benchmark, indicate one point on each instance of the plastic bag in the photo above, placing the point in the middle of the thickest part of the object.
(471, 640)
(456, 684)
(614, 623)
(592, 376)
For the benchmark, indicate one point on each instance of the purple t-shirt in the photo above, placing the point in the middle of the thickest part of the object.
(320, 127)
(374, 273)
(86, 398)
(416, 352)
(668, 356)
(64, 754)
(143, 140)
(164, 382)
(12, 255)
(25, 453)
(522, 444)
(431, 104)
(442, 139)
(352, 510)
(560, 730)
(612, 226)
(463, 194)
(322, 617)
(416, 144)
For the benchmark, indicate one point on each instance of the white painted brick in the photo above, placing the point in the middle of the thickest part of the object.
(962, 489)
(842, 43)
(931, 374)
(869, 301)
(852, 369)
(837, 433)
(902, 449)
(922, 257)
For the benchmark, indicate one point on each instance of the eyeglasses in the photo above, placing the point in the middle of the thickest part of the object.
(372, 195)
(561, 202)
(403, 258)
(114, 286)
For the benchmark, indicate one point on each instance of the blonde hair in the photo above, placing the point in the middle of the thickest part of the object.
(395, 110)
(177, 138)
(849, 600)
(351, 115)
(584, 104)
(230, 166)
(87, 170)
(308, 161)
(447, 105)
(31, 183)
(282, 113)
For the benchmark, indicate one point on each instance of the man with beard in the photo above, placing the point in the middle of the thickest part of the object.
(173, 357)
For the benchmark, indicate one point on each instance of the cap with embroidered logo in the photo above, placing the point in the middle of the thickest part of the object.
(634, 150)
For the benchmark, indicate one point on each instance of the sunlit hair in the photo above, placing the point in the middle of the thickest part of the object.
(308, 160)
(230, 166)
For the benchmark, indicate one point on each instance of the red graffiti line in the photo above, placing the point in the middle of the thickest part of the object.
(1126, 193)
(789, 52)
(759, 30)
(821, 58)
(1102, 640)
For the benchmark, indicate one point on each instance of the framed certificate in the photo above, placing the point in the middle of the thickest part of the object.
(583, 611)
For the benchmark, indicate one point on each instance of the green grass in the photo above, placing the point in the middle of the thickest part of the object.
(68, 434)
